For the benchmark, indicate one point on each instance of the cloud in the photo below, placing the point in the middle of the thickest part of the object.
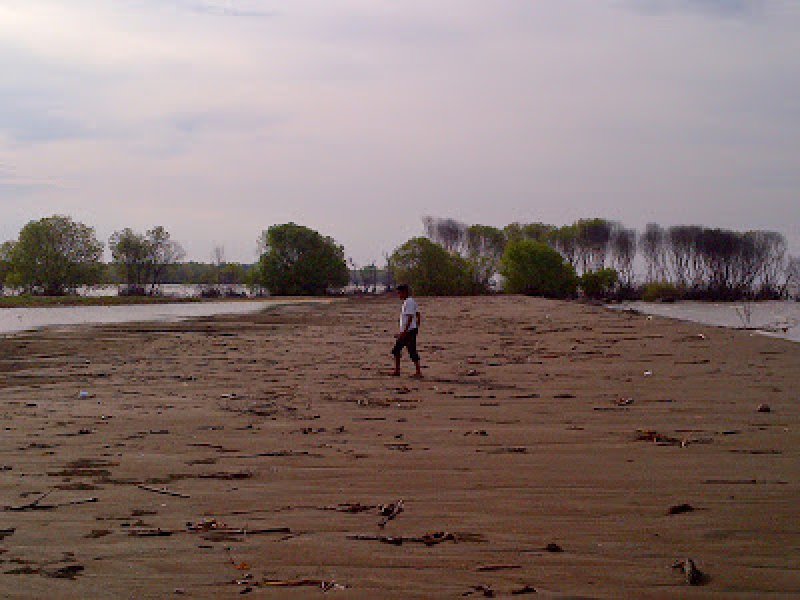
(713, 8)
(357, 117)
(223, 8)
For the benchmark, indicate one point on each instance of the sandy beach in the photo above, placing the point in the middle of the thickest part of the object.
(270, 454)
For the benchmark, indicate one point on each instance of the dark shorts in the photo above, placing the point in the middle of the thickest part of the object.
(407, 341)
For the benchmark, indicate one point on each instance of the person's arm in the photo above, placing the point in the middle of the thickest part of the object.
(408, 318)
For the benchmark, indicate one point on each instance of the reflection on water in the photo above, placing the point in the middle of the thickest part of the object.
(730, 314)
(13, 320)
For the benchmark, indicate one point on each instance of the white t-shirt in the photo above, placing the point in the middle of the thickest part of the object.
(409, 308)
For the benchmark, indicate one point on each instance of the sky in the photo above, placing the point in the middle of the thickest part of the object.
(219, 118)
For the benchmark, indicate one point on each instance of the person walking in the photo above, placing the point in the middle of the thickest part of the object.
(410, 319)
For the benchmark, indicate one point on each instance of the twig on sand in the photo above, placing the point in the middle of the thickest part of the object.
(325, 586)
(163, 491)
(32, 505)
(429, 539)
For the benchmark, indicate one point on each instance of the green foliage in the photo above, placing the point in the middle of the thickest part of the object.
(431, 270)
(131, 253)
(599, 284)
(5, 262)
(300, 261)
(664, 291)
(538, 232)
(55, 255)
(232, 274)
(534, 268)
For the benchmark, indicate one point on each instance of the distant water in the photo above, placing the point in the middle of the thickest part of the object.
(728, 314)
(14, 320)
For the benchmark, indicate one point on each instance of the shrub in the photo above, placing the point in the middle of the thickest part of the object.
(299, 261)
(431, 270)
(534, 268)
(666, 292)
(599, 284)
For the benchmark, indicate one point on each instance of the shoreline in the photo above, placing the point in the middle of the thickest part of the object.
(515, 439)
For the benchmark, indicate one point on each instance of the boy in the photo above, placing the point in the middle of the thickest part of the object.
(409, 327)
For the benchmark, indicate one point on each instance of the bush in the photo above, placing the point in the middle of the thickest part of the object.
(663, 291)
(54, 256)
(431, 270)
(599, 284)
(299, 261)
(536, 269)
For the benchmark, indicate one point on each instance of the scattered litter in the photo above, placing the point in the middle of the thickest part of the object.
(764, 408)
(84, 395)
(624, 401)
(648, 373)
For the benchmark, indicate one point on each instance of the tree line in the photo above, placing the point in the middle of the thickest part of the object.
(596, 258)
(56, 256)
(605, 258)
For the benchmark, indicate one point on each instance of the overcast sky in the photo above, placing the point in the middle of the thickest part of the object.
(218, 118)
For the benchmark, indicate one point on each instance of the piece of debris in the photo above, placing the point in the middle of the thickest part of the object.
(649, 435)
(680, 509)
(4, 533)
(324, 585)
(67, 572)
(624, 401)
(527, 589)
(692, 574)
(205, 524)
(492, 568)
(150, 532)
(553, 547)
(390, 512)
(485, 590)
(97, 533)
(648, 373)
(764, 408)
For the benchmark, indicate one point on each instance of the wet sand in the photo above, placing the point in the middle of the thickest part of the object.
(279, 437)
